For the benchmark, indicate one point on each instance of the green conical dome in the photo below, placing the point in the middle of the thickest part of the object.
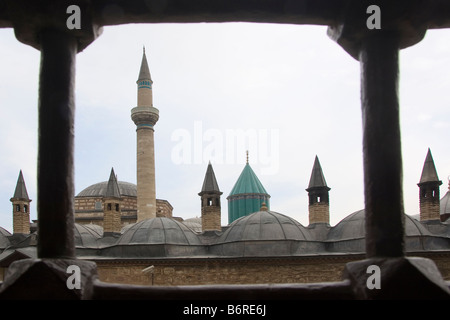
(247, 195)
(248, 182)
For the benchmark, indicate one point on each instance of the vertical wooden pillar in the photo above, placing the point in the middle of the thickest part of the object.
(56, 145)
(382, 145)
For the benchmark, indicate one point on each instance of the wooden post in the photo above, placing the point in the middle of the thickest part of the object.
(382, 145)
(56, 145)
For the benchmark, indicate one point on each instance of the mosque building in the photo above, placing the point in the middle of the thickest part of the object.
(134, 238)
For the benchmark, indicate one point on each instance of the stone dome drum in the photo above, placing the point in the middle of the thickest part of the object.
(99, 189)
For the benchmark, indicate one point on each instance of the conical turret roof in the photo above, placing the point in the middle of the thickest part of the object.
(210, 182)
(248, 182)
(144, 72)
(21, 189)
(112, 189)
(317, 179)
(429, 173)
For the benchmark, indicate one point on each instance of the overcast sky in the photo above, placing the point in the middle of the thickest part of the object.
(287, 93)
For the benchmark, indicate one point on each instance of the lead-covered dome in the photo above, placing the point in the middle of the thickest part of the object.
(349, 235)
(87, 236)
(445, 206)
(99, 189)
(265, 233)
(4, 241)
(353, 227)
(265, 225)
(160, 230)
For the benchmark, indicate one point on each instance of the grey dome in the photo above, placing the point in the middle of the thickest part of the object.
(86, 236)
(195, 224)
(4, 241)
(99, 189)
(353, 227)
(445, 203)
(265, 225)
(160, 230)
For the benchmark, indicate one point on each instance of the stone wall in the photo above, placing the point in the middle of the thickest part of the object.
(21, 218)
(173, 272)
(429, 210)
(163, 208)
(224, 271)
(211, 218)
(319, 212)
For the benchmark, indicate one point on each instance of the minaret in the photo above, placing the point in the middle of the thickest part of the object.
(21, 207)
(145, 117)
(210, 202)
(319, 200)
(112, 207)
(429, 190)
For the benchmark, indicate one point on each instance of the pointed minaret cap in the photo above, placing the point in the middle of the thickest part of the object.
(144, 72)
(429, 173)
(21, 189)
(112, 189)
(210, 183)
(317, 179)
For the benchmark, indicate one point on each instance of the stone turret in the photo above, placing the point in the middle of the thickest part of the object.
(21, 207)
(429, 190)
(112, 203)
(210, 202)
(319, 200)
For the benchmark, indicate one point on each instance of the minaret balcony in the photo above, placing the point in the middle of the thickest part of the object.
(144, 115)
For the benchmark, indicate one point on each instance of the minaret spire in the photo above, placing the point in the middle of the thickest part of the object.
(145, 117)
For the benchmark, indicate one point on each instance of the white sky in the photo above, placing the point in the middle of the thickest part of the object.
(292, 87)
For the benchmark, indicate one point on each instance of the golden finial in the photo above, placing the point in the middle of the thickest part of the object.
(247, 156)
(264, 207)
